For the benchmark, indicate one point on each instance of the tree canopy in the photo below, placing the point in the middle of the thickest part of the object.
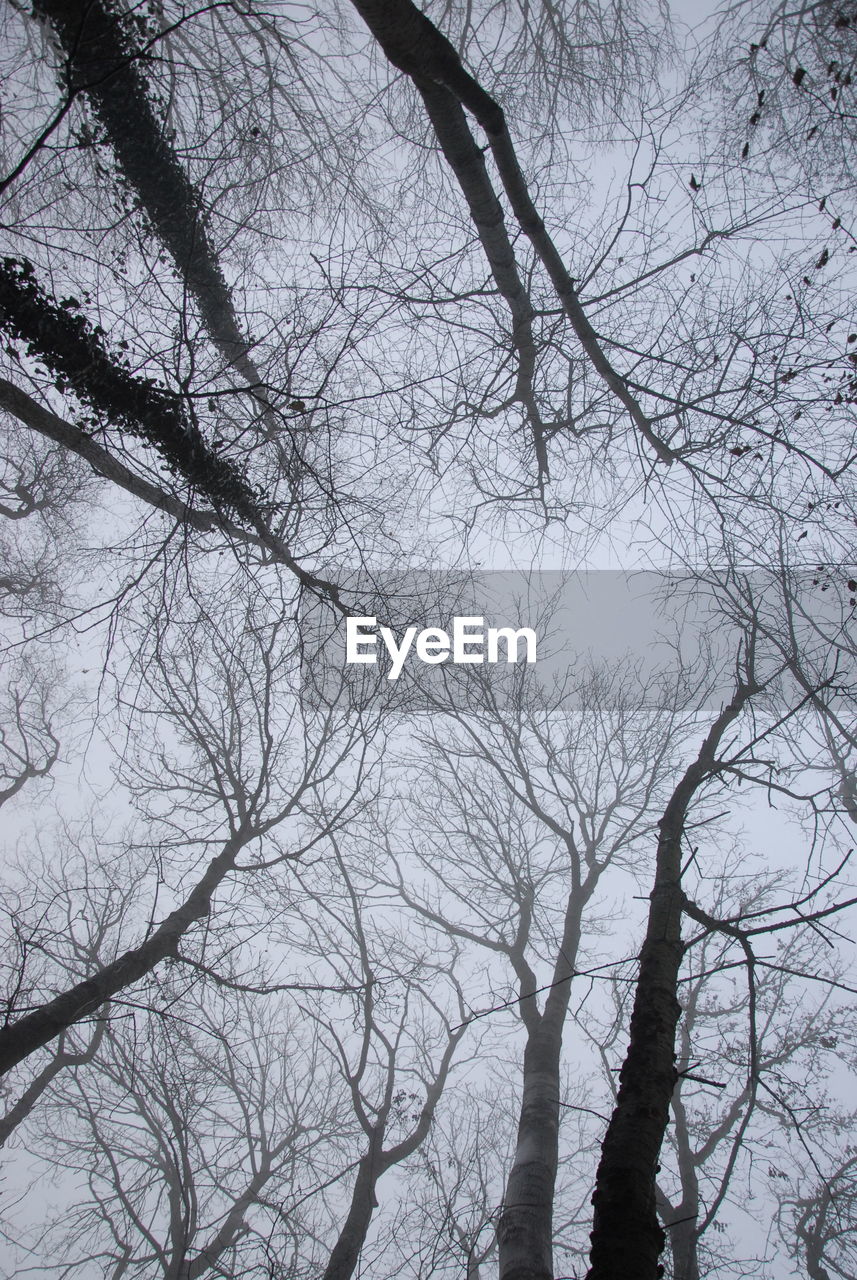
(389, 313)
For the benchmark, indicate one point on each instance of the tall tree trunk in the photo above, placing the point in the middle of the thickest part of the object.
(525, 1229)
(377, 1160)
(346, 1252)
(103, 63)
(682, 1220)
(413, 44)
(685, 1255)
(815, 1267)
(627, 1239)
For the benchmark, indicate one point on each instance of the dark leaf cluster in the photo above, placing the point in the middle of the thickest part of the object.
(73, 351)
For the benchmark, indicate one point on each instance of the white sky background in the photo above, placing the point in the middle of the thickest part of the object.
(84, 776)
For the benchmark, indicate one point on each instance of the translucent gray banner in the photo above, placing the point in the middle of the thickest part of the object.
(424, 640)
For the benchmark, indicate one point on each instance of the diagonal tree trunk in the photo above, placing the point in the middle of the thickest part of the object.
(467, 162)
(75, 354)
(232, 1228)
(413, 44)
(77, 358)
(104, 463)
(36, 1029)
(103, 62)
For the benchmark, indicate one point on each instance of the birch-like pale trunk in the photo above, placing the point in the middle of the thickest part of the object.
(525, 1229)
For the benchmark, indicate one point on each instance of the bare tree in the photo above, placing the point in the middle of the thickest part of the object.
(240, 771)
(366, 288)
(733, 1097)
(394, 1039)
(538, 798)
(29, 747)
(191, 1137)
(823, 1224)
(449, 1223)
(625, 1224)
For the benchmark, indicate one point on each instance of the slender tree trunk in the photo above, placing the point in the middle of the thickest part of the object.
(377, 1160)
(683, 1222)
(231, 1230)
(467, 162)
(414, 45)
(525, 1230)
(627, 1239)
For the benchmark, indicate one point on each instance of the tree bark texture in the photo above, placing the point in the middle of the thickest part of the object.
(525, 1229)
(627, 1239)
(103, 462)
(75, 354)
(103, 63)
